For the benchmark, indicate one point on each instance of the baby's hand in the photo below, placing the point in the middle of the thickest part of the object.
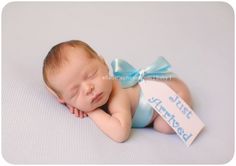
(77, 112)
(74, 110)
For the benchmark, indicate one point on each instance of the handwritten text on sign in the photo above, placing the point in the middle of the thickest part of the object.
(173, 110)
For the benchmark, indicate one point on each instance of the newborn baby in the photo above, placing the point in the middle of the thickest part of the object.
(79, 78)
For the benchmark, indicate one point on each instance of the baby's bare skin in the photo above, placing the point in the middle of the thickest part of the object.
(81, 80)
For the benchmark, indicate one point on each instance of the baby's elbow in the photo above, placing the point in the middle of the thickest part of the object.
(122, 137)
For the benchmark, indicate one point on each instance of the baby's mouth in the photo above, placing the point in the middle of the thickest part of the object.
(97, 98)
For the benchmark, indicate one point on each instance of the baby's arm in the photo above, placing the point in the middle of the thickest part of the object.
(117, 125)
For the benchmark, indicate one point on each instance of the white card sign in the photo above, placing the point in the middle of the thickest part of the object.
(173, 110)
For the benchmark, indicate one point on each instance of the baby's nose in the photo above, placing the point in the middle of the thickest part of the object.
(89, 88)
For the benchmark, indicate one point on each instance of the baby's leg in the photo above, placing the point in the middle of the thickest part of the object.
(162, 126)
(181, 89)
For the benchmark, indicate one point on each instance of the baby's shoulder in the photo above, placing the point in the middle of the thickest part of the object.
(119, 95)
(118, 99)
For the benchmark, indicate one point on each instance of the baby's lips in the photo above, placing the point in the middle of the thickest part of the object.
(96, 96)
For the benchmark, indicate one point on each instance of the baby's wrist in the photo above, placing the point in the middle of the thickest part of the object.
(93, 111)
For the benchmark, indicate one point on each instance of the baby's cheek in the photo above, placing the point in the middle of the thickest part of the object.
(76, 103)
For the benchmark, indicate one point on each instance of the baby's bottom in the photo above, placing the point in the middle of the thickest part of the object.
(181, 89)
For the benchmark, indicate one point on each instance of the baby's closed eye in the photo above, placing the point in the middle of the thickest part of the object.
(74, 93)
(92, 74)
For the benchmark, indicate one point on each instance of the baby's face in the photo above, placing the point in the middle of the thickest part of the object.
(82, 81)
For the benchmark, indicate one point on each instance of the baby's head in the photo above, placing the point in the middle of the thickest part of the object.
(77, 75)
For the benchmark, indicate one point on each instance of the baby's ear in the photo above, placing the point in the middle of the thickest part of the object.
(54, 94)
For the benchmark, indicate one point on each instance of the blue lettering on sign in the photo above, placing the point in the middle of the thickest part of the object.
(180, 106)
(170, 118)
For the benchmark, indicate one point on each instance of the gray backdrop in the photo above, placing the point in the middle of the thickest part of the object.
(196, 38)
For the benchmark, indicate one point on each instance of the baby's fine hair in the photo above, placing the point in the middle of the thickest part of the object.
(55, 58)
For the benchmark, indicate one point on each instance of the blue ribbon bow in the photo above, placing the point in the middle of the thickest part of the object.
(129, 76)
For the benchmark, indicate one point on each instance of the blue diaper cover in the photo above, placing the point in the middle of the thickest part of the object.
(143, 113)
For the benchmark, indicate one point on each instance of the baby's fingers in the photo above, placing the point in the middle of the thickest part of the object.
(71, 109)
(85, 114)
(81, 114)
(76, 112)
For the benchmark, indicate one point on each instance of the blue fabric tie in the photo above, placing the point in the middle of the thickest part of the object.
(129, 76)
